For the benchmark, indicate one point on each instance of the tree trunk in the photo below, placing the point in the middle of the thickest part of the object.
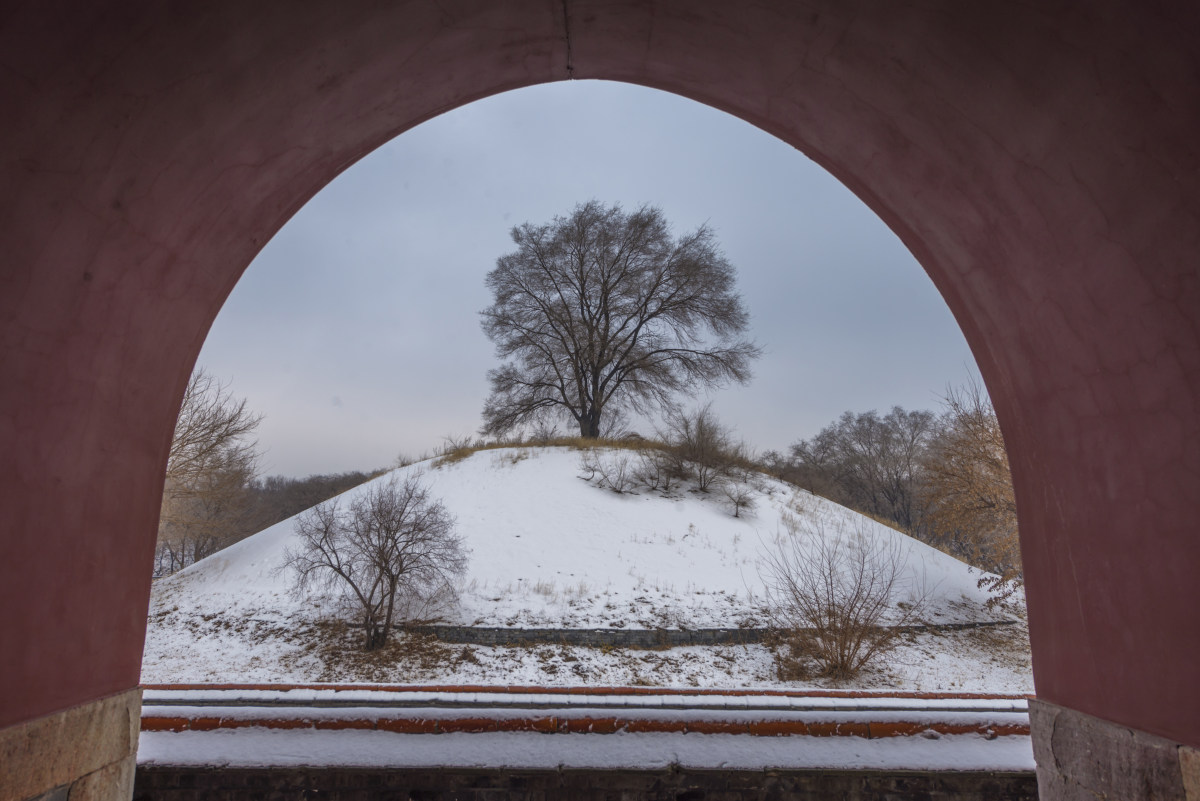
(376, 637)
(374, 634)
(391, 608)
(589, 425)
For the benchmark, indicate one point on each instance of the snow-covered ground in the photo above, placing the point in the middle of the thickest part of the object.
(549, 549)
(515, 750)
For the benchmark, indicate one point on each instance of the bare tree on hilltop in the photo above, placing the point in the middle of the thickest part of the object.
(604, 310)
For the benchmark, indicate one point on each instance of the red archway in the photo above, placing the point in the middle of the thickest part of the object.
(1041, 162)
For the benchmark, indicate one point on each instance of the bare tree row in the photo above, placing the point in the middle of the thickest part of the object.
(943, 478)
(212, 495)
(211, 463)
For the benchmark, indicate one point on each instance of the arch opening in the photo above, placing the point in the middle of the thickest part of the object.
(370, 294)
(1057, 216)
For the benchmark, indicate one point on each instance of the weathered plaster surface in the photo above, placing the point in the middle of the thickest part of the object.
(1040, 160)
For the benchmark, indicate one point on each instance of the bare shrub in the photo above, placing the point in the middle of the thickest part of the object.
(589, 465)
(700, 446)
(740, 496)
(658, 470)
(392, 552)
(837, 599)
(616, 473)
(619, 474)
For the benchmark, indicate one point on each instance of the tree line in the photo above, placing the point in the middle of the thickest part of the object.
(213, 495)
(941, 477)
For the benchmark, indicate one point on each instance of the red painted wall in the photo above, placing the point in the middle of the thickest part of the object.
(1041, 162)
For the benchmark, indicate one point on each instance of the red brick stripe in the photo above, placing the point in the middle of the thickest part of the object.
(536, 690)
(587, 725)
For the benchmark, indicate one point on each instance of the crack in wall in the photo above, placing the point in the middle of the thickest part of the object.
(567, 36)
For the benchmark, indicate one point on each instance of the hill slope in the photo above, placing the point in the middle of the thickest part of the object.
(548, 550)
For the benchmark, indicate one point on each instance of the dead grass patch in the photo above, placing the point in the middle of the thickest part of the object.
(337, 648)
(457, 450)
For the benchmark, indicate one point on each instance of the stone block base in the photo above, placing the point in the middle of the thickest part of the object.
(86, 753)
(165, 783)
(1083, 758)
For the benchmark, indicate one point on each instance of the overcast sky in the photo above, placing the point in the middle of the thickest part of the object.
(356, 330)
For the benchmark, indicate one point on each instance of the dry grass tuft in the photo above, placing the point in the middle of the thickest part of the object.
(336, 646)
(457, 450)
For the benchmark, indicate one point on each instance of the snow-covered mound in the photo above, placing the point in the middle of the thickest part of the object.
(549, 549)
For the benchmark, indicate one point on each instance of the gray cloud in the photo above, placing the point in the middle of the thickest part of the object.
(370, 294)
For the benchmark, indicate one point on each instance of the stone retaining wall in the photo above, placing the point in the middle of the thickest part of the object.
(594, 638)
(442, 784)
(630, 638)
